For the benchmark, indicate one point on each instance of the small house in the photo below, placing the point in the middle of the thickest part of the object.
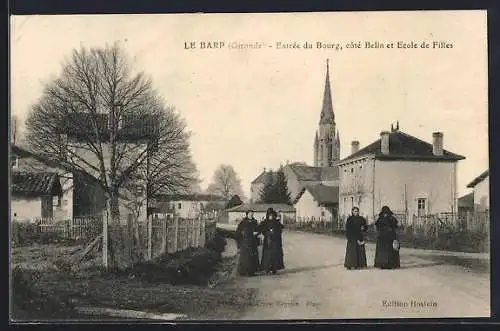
(481, 187)
(34, 195)
(24, 160)
(317, 203)
(466, 204)
(189, 205)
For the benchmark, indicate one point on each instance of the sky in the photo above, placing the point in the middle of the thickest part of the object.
(259, 108)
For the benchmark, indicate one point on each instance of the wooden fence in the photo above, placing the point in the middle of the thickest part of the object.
(158, 236)
(163, 235)
(434, 225)
(428, 225)
(78, 228)
(333, 223)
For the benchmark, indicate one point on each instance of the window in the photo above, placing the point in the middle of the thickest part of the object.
(352, 169)
(322, 213)
(179, 205)
(57, 201)
(421, 207)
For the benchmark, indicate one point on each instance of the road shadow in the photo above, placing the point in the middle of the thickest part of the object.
(472, 264)
(309, 268)
(420, 265)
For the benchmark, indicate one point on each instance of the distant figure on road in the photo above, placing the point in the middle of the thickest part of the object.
(247, 232)
(272, 250)
(355, 253)
(387, 249)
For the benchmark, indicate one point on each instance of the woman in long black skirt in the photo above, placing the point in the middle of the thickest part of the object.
(355, 253)
(387, 250)
(247, 231)
(272, 250)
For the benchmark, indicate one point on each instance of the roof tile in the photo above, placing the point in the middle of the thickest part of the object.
(35, 183)
(404, 146)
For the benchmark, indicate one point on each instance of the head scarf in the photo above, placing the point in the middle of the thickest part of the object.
(270, 212)
(385, 211)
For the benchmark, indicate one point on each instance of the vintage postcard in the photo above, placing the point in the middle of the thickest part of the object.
(283, 166)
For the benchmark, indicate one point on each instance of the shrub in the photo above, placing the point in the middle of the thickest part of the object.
(24, 234)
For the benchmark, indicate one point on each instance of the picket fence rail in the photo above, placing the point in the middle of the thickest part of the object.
(161, 235)
(428, 225)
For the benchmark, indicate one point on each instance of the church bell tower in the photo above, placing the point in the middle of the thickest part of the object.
(326, 140)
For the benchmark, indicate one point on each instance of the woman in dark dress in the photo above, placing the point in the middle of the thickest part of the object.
(247, 232)
(272, 250)
(387, 249)
(355, 254)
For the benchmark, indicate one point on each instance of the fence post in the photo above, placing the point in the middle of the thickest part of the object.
(193, 233)
(150, 237)
(196, 230)
(105, 239)
(164, 247)
(68, 229)
(176, 233)
(203, 233)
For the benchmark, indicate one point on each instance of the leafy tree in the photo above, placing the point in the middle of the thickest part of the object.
(276, 189)
(281, 188)
(267, 194)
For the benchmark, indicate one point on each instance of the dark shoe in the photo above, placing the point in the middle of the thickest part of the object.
(274, 272)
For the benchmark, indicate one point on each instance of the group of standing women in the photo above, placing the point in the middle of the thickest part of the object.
(248, 238)
(387, 248)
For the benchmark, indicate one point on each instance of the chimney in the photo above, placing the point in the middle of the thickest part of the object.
(264, 169)
(384, 142)
(437, 143)
(354, 146)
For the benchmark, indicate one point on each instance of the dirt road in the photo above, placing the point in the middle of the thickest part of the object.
(316, 285)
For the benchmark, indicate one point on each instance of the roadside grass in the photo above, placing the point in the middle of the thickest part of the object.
(44, 288)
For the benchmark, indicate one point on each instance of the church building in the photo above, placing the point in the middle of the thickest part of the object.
(324, 173)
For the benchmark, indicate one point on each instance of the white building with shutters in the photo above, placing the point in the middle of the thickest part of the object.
(407, 174)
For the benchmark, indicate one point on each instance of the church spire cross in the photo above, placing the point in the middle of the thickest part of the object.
(327, 114)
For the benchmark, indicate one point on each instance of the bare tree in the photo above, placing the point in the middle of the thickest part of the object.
(14, 129)
(357, 186)
(101, 120)
(226, 183)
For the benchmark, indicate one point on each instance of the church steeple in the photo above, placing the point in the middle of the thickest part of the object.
(327, 140)
(327, 115)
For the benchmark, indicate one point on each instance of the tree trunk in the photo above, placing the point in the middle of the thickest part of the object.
(115, 238)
